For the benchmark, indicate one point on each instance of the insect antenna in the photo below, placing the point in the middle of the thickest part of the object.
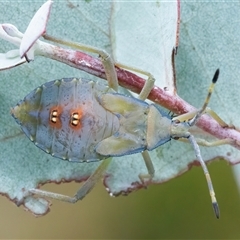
(210, 90)
(197, 149)
(206, 173)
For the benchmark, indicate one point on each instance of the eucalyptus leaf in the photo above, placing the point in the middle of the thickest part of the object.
(208, 40)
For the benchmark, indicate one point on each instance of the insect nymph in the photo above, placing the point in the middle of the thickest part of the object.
(81, 120)
(76, 120)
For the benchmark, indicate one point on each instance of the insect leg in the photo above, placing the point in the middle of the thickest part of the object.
(148, 162)
(209, 111)
(83, 191)
(206, 143)
(143, 96)
(149, 83)
(106, 59)
(196, 114)
(93, 179)
(218, 119)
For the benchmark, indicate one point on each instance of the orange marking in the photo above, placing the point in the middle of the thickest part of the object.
(54, 117)
(75, 119)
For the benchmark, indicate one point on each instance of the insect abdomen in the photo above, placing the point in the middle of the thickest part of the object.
(65, 119)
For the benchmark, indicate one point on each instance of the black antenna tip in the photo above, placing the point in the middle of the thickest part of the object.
(216, 209)
(215, 77)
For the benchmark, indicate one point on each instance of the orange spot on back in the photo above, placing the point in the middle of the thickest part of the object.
(54, 117)
(75, 118)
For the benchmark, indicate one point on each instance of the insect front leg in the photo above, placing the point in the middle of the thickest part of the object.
(192, 117)
(206, 143)
(186, 116)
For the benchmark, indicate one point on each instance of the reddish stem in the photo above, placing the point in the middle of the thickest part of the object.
(135, 83)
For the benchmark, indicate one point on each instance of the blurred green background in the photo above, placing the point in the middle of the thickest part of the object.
(178, 209)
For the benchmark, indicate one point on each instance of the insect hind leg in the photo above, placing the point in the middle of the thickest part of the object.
(105, 58)
(84, 189)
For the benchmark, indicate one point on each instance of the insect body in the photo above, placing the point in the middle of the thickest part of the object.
(80, 120)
